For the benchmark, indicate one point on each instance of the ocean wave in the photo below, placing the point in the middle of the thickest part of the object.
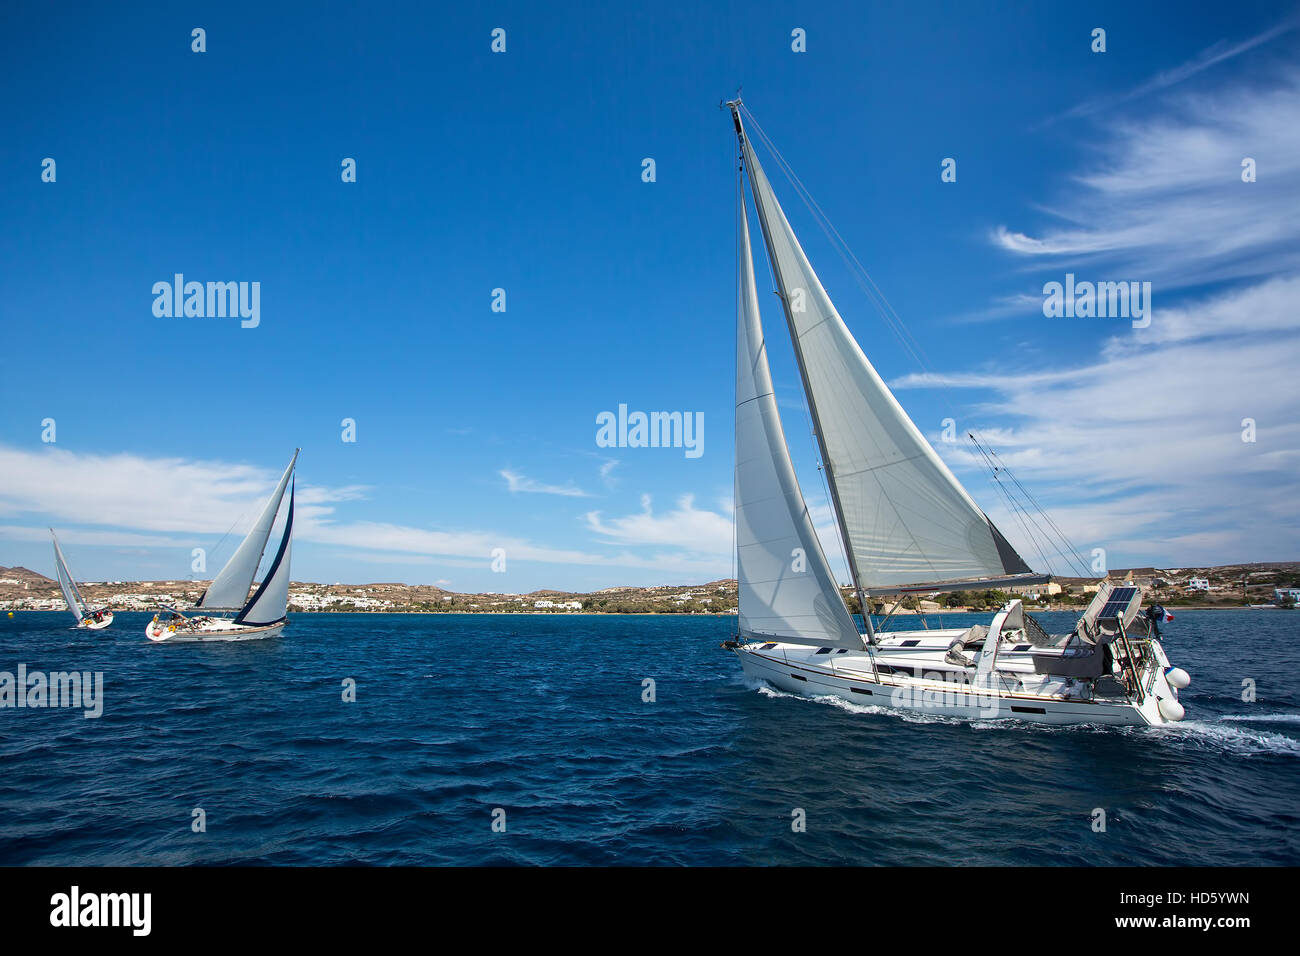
(1264, 718)
(1230, 740)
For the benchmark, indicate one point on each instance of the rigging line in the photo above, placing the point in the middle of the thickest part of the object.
(1061, 541)
(217, 547)
(1017, 510)
(735, 464)
(1061, 544)
(1052, 531)
(874, 293)
(1046, 517)
(1025, 520)
(1033, 530)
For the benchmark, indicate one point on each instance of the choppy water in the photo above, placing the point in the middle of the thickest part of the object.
(543, 717)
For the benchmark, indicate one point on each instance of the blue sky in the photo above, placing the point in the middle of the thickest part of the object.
(476, 429)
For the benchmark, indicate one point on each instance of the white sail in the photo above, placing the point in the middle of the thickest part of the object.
(76, 604)
(270, 602)
(229, 589)
(906, 517)
(787, 591)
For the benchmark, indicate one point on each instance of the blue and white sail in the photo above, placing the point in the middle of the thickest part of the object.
(270, 603)
(229, 589)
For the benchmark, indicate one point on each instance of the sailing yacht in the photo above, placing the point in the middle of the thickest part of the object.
(87, 618)
(908, 527)
(226, 611)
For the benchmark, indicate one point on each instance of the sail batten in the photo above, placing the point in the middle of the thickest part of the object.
(229, 589)
(905, 518)
(786, 590)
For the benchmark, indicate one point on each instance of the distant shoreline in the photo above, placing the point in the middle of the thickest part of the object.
(1076, 609)
(1220, 588)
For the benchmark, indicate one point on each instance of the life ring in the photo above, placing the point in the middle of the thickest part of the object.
(171, 628)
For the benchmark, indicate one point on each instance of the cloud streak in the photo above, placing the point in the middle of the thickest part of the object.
(1164, 198)
(1139, 449)
(1211, 56)
(517, 484)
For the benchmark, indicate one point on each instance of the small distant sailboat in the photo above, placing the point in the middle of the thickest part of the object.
(228, 613)
(908, 527)
(88, 618)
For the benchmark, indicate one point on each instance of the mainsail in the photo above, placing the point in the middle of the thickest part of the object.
(906, 520)
(787, 591)
(76, 603)
(229, 589)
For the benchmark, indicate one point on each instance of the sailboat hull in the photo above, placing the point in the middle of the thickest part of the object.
(851, 677)
(215, 631)
(90, 624)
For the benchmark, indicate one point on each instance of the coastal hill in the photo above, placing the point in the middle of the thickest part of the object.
(21, 588)
(1226, 586)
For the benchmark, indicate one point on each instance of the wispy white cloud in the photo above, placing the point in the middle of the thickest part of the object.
(518, 483)
(165, 502)
(138, 492)
(1141, 450)
(1164, 199)
(1212, 55)
(689, 529)
(1138, 448)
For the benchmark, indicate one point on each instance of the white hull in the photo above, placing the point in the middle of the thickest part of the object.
(197, 631)
(90, 624)
(851, 676)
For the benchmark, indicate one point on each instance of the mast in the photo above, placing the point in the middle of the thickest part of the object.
(783, 295)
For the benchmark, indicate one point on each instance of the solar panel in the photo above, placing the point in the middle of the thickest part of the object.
(1117, 604)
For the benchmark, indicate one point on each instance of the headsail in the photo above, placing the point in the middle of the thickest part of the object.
(76, 604)
(229, 589)
(906, 518)
(271, 601)
(787, 591)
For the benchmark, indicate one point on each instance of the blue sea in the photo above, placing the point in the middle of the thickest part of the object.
(539, 721)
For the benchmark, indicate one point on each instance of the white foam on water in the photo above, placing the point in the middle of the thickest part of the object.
(911, 716)
(1228, 739)
(1231, 739)
(1264, 718)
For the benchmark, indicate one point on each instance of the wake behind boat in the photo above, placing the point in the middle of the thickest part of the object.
(257, 617)
(87, 618)
(908, 527)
